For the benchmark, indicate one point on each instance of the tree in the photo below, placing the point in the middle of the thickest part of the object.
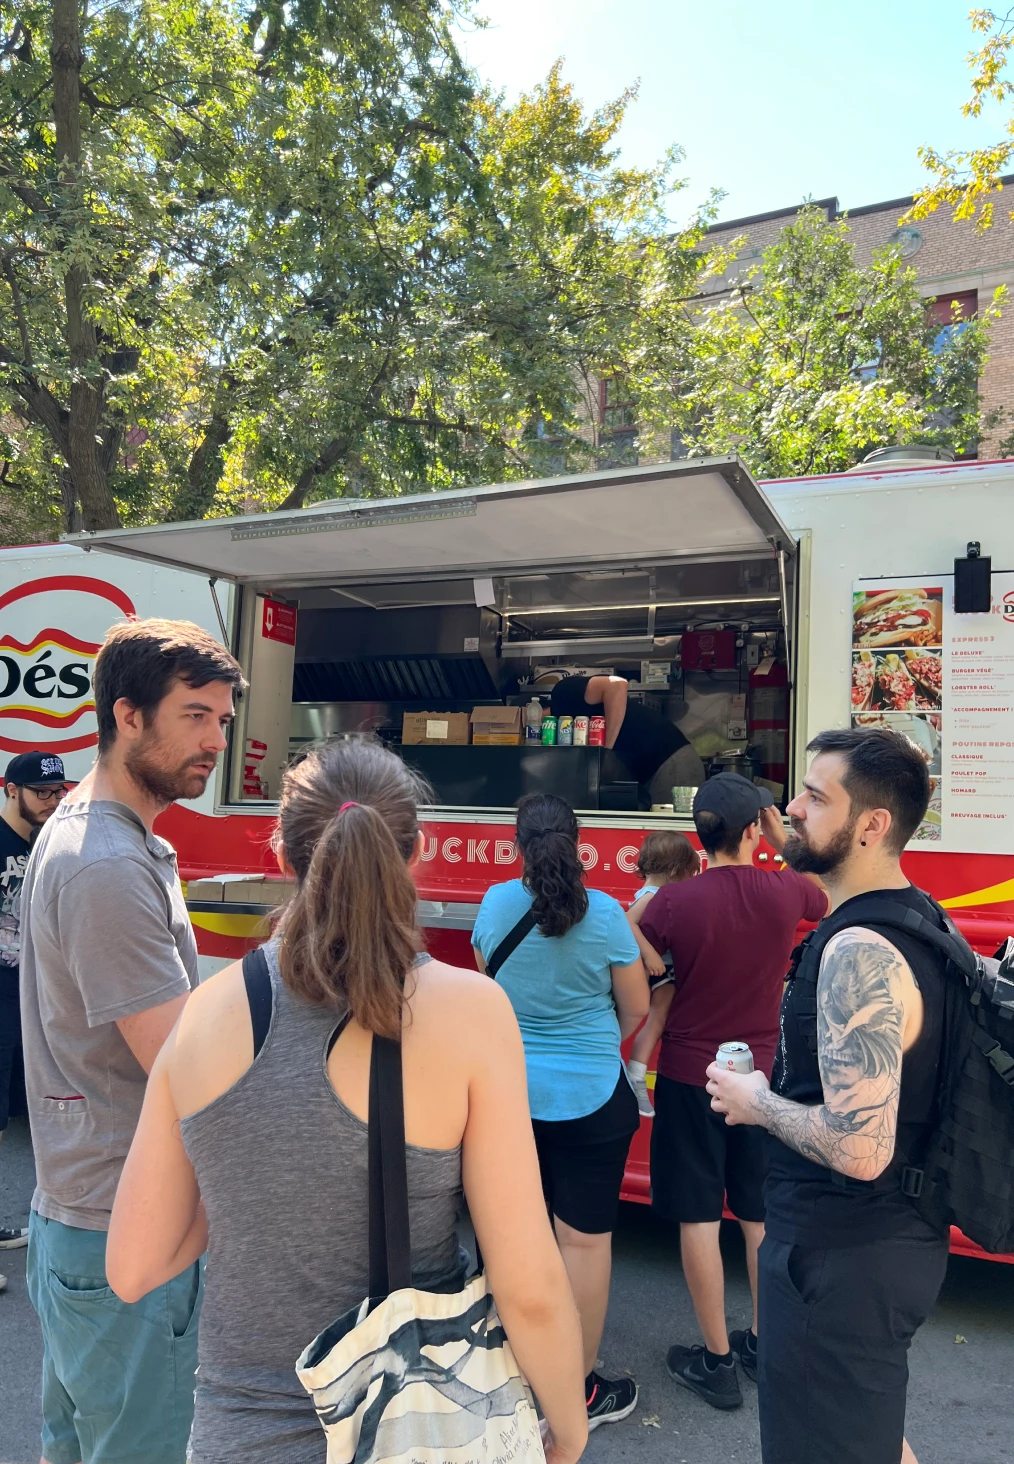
(965, 179)
(249, 260)
(813, 360)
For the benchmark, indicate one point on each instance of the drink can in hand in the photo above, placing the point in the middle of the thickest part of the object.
(735, 1057)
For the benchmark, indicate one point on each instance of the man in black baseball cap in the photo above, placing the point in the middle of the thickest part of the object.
(730, 933)
(34, 783)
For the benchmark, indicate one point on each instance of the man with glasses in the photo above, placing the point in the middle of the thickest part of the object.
(34, 784)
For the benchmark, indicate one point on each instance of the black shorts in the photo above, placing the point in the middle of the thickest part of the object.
(697, 1159)
(10, 1040)
(582, 1161)
(834, 1332)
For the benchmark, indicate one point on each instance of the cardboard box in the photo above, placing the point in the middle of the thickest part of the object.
(496, 727)
(241, 889)
(434, 729)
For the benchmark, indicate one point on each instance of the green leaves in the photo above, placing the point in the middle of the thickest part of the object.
(812, 360)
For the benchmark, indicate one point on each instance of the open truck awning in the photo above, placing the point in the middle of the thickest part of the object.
(706, 508)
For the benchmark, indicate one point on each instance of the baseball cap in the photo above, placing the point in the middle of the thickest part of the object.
(35, 770)
(733, 798)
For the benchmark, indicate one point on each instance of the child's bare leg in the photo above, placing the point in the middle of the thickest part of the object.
(654, 1024)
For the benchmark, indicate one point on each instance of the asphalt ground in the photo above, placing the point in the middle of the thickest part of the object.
(961, 1398)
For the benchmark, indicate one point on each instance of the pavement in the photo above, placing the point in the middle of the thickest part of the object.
(961, 1397)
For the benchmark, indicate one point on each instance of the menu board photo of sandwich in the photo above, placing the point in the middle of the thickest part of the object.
(898, 617)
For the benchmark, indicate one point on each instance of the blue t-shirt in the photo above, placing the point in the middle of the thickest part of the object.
(561, 990)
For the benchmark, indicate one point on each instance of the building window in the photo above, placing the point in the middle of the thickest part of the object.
(942, 311)
(617, 424)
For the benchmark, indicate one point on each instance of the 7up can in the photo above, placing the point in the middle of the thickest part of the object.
(735, 1057)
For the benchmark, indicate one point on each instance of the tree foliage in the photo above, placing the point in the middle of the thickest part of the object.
(964, 180)
(254, 259)
(811, 360)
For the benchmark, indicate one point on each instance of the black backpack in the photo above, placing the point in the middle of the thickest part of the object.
(966, 1176)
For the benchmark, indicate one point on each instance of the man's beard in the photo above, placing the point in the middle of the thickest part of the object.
(804, 859)
(34, 819)
(164, 785)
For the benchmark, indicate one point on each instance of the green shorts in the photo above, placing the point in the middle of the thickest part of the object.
(117, 1378)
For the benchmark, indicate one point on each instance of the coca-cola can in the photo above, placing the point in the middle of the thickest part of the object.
(735, 1057)
(580, 731)
(596, 731)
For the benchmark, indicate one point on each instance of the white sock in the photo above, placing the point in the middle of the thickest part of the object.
(637, 1069)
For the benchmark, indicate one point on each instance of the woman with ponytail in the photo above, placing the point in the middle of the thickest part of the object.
(253, 1140)
(567, 959)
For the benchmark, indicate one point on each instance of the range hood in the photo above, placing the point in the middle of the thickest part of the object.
(428, 653)
(697, 509)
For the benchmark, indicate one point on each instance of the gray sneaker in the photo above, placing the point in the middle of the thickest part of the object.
(12, 1239)
(718, 1386)
(3, 1283)
(640, 1088)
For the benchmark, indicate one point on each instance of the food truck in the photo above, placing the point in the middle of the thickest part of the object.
(749, 615)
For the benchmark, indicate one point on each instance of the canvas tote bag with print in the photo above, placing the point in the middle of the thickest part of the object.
(410, 1376)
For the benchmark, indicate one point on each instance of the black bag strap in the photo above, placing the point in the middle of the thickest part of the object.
(895, 916)
(390, 1240)
(257, 980)
(510, 942)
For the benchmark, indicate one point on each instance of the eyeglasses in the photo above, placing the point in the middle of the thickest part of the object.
(49, 792)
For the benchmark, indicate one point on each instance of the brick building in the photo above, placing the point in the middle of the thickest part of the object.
(952, 261)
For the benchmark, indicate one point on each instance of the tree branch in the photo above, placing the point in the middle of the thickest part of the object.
(19, 309)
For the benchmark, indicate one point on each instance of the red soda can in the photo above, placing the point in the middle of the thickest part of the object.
(596, 731)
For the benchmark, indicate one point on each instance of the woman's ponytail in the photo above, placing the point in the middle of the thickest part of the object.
(547, 838)
(349, 824)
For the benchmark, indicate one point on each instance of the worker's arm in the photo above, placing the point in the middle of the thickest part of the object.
(611, 691)
(860, 1039)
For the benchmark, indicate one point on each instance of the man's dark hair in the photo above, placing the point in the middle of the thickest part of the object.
(141, 659)
(715, 837)
(882, 770)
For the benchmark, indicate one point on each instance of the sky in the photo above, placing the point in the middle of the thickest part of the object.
(773, 101)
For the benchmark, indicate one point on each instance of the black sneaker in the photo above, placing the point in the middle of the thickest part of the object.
(610, 1400)
(718, 1386)
(12, 1239)
(739, 1341)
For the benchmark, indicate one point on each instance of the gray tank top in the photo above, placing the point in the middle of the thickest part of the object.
(282, 1165)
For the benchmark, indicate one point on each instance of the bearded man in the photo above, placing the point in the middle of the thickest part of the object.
(848, 1269)
(108, 958)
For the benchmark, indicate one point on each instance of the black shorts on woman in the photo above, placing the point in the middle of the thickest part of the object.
(582, 1161)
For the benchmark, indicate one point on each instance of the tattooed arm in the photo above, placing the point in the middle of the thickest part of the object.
(860, 1032)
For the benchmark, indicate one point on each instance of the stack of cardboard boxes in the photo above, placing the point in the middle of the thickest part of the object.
(485, 727)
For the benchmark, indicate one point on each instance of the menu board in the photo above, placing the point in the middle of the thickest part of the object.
(947, 682)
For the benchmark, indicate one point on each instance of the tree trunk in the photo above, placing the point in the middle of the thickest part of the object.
(84, 448)
(205, 470)
(325, 461)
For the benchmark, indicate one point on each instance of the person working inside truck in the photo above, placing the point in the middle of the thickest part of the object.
(653, 752)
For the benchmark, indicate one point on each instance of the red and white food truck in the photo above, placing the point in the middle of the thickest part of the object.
(752, 616)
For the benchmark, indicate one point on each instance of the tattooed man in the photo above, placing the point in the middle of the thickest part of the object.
(848, 1269)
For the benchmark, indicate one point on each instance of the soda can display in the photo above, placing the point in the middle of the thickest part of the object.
(735, 1057)
(596, 732)
(580, 731)
(565, 732)
(549, 731)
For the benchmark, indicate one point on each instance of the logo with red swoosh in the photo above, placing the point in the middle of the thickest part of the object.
(46, 668)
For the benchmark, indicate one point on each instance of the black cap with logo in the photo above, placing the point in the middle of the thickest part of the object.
(733, 799)
(35, 770)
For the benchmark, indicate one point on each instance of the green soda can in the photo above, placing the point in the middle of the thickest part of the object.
(549, 731)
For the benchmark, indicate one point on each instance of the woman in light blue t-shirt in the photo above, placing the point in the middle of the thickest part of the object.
(578, 988)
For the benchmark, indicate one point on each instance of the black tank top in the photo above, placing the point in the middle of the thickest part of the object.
(808, 1204)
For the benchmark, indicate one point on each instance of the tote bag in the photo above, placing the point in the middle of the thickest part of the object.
(410, 1376)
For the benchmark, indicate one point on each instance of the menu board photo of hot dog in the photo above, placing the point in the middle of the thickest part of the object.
(898, 617)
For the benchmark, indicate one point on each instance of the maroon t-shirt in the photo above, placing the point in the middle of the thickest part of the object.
(730, 933)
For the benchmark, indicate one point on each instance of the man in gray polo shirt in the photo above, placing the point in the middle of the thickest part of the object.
(108, 959)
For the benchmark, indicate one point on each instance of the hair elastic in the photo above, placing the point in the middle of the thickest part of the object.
(351, 804)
